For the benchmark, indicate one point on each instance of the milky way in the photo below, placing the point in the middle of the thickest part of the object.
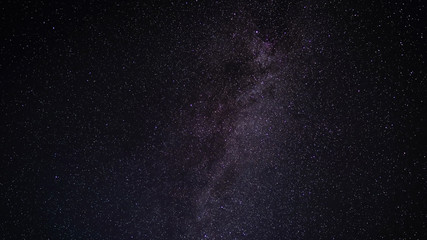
(213, 120)
(248, 119)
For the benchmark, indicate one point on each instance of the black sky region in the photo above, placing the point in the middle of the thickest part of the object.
(213, 120)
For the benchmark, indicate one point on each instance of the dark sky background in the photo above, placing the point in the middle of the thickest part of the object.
(213, 120)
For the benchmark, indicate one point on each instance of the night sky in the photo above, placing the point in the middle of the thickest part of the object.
(213, 120)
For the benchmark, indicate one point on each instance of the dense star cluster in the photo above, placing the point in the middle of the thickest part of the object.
(213, 120)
